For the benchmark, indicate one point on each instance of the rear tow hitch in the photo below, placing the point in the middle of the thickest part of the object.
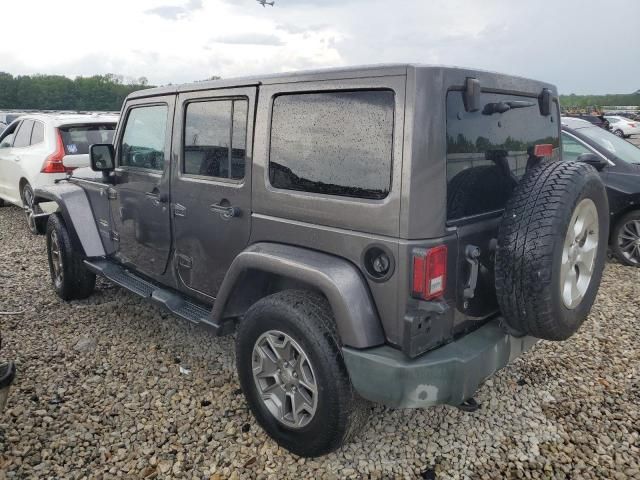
(469, 405)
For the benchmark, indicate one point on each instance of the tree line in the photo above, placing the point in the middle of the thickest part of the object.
(583, 101)
(57, 92)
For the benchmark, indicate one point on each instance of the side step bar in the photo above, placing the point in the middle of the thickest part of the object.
(171, 300)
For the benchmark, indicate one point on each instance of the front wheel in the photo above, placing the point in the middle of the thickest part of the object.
(293, 375)
(625, 239)
(71, 279)
(37, 226)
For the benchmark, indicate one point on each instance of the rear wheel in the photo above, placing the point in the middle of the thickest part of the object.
(37, 226)
(293, 375)
(619, 133)
(71, 279)
(625, 239)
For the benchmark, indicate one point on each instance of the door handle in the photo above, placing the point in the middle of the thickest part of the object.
(157, 197)
(225, 211)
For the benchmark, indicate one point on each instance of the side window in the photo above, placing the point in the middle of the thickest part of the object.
(143, 141)
(37, 134)
(215, 136)
(23, 137)
(334, 143)
(572, 148)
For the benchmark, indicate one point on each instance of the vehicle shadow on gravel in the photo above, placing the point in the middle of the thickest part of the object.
(112, 386)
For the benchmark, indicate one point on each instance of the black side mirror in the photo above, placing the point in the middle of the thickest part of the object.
(596, 161)
(102, 157)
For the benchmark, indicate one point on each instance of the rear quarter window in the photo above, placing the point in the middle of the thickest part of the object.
(23, 137)
(333, 143)
(78, 138)
(488, 152)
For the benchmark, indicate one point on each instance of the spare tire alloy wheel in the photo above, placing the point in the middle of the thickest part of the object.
(552, 243)
(579, 253)
(285, 379)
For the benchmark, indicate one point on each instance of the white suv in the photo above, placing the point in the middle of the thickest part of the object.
(35, 150)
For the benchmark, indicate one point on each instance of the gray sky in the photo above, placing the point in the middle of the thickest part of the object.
(175, 41)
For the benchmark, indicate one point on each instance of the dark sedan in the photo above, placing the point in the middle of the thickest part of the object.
(619, 164)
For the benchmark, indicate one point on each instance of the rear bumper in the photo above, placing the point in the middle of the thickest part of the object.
(448, 375)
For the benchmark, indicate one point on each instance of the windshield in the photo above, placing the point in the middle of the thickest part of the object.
(77, 139)
(625, 151)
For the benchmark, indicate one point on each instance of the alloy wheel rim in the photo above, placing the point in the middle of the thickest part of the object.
(56, 259)
(285, 379)
(629, 241)
(579, 253)
(29, 209)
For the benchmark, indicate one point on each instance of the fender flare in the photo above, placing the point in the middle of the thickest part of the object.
(340, 281)
(76, 211)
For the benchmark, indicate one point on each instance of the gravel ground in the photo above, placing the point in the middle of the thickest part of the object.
(100, 394)
(635, 139)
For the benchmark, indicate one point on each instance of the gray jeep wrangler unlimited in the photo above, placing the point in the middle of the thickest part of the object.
(393, 234)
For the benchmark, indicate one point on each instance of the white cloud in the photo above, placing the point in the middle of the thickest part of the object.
(174, 41)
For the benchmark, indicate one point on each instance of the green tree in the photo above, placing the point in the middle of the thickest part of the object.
(56, 92)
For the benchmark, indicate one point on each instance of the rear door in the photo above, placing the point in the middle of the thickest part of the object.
(140, 196)
(488, 151)
(211, 184)
(16, 161)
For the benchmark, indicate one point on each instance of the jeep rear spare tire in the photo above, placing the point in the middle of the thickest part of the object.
(551, 249)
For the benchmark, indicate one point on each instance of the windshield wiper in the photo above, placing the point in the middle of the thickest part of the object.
(501, 107)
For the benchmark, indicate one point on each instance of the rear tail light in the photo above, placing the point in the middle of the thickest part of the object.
(53, 163)
(543, 150)
(429, 272)
(632, 125)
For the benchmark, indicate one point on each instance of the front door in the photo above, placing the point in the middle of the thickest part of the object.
(211, 184)
(7, 163)
(140, 210)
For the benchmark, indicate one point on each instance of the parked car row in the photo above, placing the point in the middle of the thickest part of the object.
(356, 256)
